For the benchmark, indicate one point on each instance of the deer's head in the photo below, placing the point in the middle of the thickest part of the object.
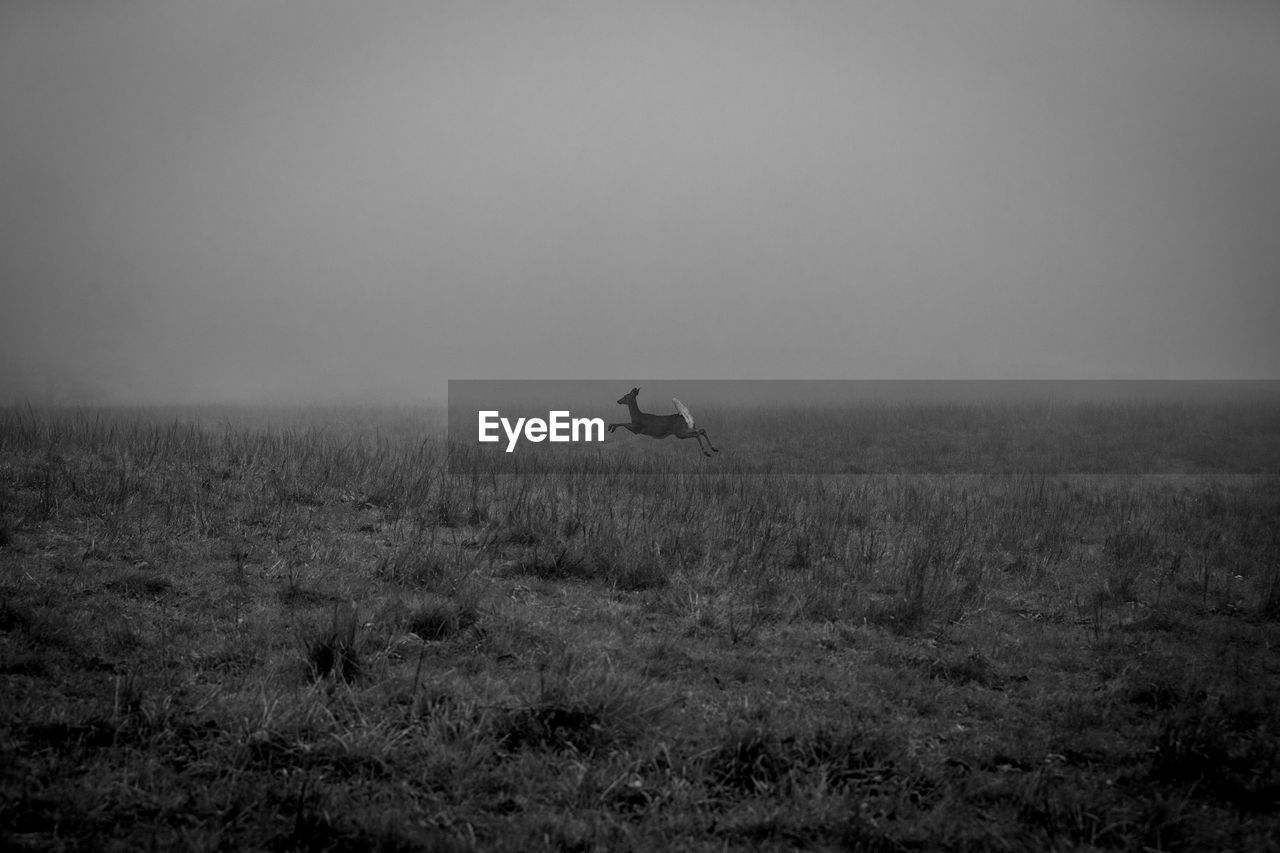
(628, 398)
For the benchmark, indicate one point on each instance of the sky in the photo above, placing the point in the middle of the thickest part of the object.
(279, 200)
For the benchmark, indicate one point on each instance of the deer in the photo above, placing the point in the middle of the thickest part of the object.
(679, 424)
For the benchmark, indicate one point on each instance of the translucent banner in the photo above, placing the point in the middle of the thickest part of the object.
(863, 427)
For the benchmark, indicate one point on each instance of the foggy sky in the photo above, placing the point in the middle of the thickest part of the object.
(207, 201)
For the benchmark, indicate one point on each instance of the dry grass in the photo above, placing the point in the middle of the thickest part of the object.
(253, 630)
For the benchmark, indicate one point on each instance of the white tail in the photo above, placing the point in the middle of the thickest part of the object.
(684, 412)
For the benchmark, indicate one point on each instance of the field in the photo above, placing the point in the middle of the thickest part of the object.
(907, 628)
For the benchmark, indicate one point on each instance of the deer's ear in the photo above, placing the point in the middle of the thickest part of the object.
(635, 390)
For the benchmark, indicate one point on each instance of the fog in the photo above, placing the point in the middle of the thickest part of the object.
(291, 201)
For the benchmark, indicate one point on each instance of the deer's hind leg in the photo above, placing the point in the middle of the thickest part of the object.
(703, 433)
(693, 433)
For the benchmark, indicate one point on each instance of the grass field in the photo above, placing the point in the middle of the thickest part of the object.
(915, 629)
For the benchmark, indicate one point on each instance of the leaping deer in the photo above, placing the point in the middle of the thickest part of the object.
(660, 426)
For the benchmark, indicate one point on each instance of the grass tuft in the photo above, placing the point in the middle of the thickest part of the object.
(441, 619)
(582, 707)
(331, 649)
(748, 761)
